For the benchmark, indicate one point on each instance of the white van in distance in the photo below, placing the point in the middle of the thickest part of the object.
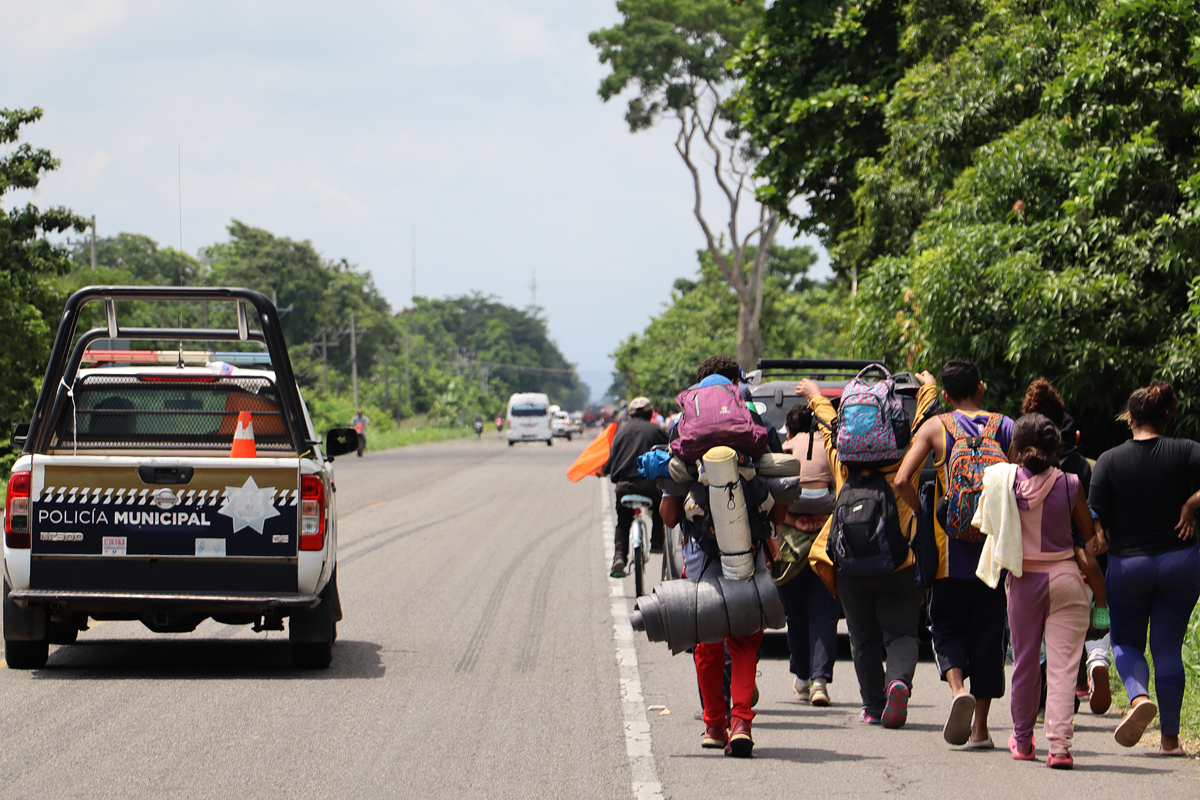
(529, 418)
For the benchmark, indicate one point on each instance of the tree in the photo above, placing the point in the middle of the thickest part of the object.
(1037, 207)
(801, 318)
(818, 75)
(30, 299)
(675, 53)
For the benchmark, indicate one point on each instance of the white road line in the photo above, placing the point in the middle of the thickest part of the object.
(646, 785)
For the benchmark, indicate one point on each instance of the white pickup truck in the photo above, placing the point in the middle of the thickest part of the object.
(142, 494)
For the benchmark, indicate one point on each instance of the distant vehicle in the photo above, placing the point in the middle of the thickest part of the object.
(173, 485)
(560, 424)
(529, 418)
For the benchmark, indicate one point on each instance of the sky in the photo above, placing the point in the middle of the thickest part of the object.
(476, 122)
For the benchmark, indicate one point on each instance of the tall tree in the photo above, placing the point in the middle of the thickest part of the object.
(818, 77)
(801, 318)
(675, 53)
(30, 263)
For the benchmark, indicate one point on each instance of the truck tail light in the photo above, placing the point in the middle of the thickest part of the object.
(312, 512)
(16, 517)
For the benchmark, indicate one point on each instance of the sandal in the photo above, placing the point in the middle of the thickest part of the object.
(958, 725)
(1130, 731)
(1015, 748)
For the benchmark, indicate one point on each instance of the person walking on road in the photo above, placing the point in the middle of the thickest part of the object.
(967, 617)
(359, 422)
(812, 612)
(727, 720)
(635, 436)
(882, 613)
(1047, 597)
(1144, 494)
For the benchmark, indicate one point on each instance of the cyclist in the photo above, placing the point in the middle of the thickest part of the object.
(634, 436)
(360, 423)
(479, 426)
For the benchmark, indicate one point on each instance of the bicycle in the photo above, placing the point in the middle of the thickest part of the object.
(639, 538)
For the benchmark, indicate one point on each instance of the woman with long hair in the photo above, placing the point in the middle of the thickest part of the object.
(1144, 493)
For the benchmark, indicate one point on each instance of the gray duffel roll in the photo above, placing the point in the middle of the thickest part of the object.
(813, 505)
(777, 465)
(682, 472)
(784, 490)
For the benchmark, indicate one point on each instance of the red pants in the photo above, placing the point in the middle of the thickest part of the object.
(710, 674)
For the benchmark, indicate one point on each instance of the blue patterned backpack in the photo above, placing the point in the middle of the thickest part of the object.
(872, 425)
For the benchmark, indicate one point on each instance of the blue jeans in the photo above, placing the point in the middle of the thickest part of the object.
(812, 616)
(1158, 592)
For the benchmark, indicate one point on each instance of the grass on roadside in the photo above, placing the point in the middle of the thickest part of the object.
(416, 430)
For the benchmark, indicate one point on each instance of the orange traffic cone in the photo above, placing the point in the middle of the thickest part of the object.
(243, 438)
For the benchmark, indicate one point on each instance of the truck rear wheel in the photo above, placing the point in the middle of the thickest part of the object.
(312, 633)
(26, 655)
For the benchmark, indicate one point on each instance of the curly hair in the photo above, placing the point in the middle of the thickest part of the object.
(1043, 398)
(1037, 441)
(719, 365)
(1154, 405)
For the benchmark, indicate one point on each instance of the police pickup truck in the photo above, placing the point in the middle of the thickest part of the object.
(171, 485)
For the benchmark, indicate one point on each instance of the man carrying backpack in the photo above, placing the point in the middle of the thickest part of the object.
(720, 731)
(873, 573)
(967, 618)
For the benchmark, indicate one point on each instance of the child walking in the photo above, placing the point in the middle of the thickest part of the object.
(1036, 501)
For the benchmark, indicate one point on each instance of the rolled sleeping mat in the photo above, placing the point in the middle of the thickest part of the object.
(784, 490)
(683, 613)
(731, 520)
(778, 465)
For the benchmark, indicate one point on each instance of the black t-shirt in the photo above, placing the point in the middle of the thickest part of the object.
(634, 437)
(1138, 489)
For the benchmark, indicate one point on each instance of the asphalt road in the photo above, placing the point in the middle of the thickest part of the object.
(484, 653)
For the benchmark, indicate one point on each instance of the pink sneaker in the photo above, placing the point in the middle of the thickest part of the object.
(1057, 761)
(895, 713)
(1015, 749)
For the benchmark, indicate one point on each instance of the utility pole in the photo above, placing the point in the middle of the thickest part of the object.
(354, 358)
(324, 363)
(407, 372)
(93, 241)
(387, 403)
(483, 380)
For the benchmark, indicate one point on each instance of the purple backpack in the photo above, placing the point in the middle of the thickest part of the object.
(713, 416)
(872, 426)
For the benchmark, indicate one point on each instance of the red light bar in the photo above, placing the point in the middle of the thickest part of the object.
(179, 378)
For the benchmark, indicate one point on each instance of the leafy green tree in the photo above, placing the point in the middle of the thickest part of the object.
(30, 264)
(818, 75)
(801, 318)
(674, 53)
(1037, 208)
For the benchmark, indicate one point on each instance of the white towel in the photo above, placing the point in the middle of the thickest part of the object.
(999, 517)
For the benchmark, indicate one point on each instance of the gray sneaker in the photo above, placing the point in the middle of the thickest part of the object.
(618, 567)
(800, 689)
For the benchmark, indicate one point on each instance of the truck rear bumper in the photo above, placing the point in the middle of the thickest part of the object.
(85, 601)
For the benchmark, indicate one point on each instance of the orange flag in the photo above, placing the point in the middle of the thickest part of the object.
(594, 456)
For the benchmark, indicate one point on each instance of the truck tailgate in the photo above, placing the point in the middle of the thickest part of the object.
(179, 524)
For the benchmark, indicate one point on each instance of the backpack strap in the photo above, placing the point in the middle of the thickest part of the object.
(952, 426)
(992, 428)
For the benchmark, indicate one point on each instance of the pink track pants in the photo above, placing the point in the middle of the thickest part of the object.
(1048, 600)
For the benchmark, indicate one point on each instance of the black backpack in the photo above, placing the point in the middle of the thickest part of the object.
(865, 540)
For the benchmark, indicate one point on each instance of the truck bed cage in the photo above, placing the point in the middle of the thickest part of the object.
(848, 367)
(65, 359)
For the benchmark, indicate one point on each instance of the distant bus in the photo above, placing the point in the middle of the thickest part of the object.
(529, 418)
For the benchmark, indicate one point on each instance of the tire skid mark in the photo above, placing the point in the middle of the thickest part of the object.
(531, 644)
(394, 537)
(491, 607)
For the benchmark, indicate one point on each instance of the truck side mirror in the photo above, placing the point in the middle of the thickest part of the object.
(340, 441)
(20, 434)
